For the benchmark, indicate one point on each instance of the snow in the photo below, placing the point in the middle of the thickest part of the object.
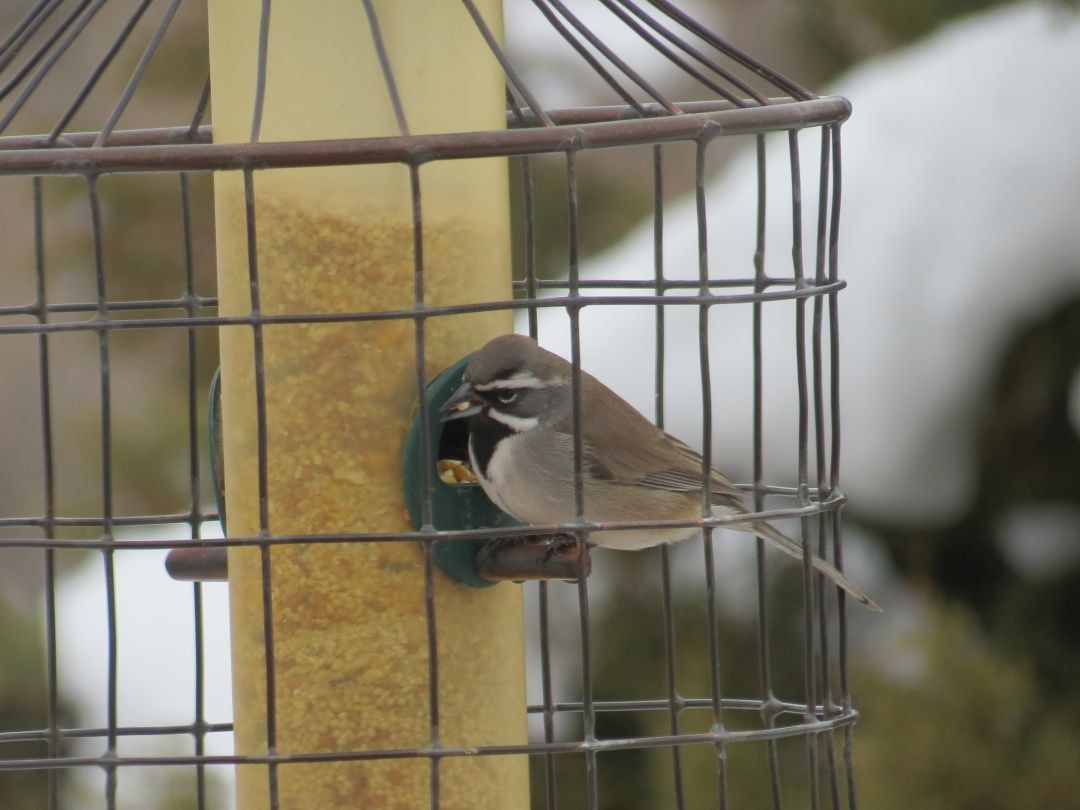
(960, 172)
(155, 664)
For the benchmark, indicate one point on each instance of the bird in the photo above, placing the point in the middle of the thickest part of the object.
(518, 400)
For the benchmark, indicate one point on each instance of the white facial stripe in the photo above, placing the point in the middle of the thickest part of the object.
(514, 382)
(518, 423)
(519, 380)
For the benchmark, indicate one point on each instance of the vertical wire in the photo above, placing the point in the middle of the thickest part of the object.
(265, 566)
(551, 801)
(426, 454)
(106, 493)
(769, 701)
(49, 493)
(528, 190)
(834, 464)
(809, 670)
(674, 700)
(706, 468)
(660, 283)
(192, 300)
(823, 520)
(260, 71)
(543, 608)
(194, 482)
(264, 498)
(200, 700)
(137, 74)
(573, 310)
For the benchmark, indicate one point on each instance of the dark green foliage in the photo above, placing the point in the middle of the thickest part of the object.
(1028, 454)
(951, 721)
(948, 719)
(23, 706)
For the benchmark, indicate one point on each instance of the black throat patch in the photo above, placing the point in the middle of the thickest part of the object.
(484, 434)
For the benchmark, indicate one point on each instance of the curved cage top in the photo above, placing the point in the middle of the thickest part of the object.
(58, 93)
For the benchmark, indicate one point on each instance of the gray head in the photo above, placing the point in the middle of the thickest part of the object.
(513, 381)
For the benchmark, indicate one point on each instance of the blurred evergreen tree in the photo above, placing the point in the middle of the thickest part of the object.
(948, 719)
(23, 706)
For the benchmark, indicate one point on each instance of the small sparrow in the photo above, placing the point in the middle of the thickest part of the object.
(517, 398)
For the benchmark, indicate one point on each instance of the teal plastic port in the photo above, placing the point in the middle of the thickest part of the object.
(454, 506)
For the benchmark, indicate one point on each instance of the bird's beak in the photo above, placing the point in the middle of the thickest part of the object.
(462, 403)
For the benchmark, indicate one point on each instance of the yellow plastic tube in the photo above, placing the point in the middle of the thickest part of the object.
(349, 621)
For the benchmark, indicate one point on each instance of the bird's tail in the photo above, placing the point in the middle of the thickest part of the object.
(789, 546)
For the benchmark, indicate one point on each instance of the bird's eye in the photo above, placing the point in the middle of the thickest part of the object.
(506, 397)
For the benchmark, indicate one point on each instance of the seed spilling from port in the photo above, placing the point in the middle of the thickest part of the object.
(455, 472)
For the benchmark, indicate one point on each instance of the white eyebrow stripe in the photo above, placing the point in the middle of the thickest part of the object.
(518, 423)
(527, 381)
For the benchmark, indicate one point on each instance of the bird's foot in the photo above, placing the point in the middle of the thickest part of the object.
(539, 556)
(561, 545)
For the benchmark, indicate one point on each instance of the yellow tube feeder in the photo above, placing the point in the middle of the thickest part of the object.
(349, 622)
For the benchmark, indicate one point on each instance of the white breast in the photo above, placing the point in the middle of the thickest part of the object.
(531, 496)
(496, 471)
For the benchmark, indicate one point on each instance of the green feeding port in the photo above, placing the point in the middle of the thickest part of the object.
(217, 447)
(453, 506)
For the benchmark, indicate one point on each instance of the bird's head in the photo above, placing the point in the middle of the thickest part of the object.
(514, 382)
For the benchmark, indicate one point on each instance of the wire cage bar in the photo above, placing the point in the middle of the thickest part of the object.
(754, 103)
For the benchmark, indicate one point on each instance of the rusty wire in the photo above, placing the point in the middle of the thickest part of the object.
(743, 110)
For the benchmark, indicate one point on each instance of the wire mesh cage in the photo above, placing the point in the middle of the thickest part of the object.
(341, 229)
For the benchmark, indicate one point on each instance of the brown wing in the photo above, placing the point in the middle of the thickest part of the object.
(625, 447)
(687, 476)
